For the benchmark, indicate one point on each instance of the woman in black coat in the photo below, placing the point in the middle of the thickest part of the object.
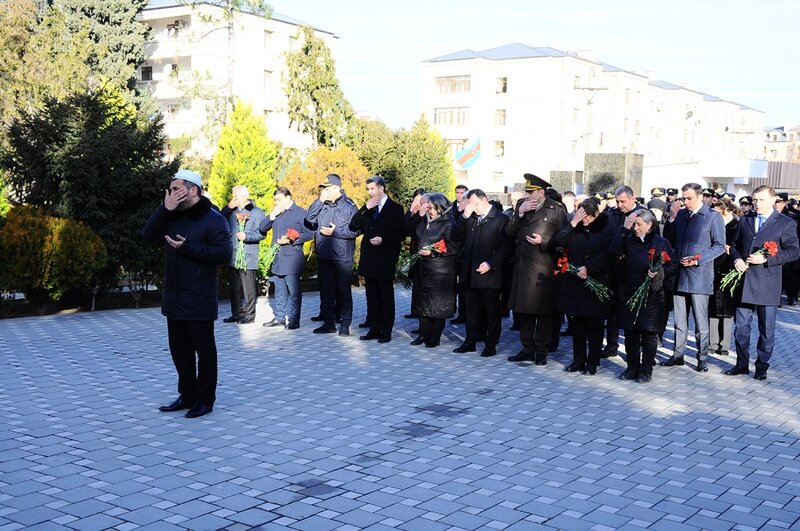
(585, 240)
(436, 272)
(721, 306)
(636, 240)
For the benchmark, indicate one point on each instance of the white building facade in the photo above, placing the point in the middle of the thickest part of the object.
(190, 58)
(540, 110)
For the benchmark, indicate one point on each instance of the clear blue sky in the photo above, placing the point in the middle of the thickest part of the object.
(740, 50)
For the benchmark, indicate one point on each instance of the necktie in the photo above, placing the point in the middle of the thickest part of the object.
(760, 223)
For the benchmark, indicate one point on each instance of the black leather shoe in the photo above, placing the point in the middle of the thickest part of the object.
(458, 320)
(628, 374)
(702, 366)
(249, 321)
(415, 331)
(420, 340)
(274, 322)
(574, 367)
(521, 357)
(644, 378)
(411, 315)
(431, 344)
(591, 370)
(368, 337)
(198, 410)
(464, 347)
(723, 352)
(488, 352)
(365, 324)
(760, 376)
(292, 326)
(318, 318)
(325, 329)
(344, 331)
(673, 361)
(735, 371)
(177, 405)
(609, 352)
(230, 319)
(540, 362)
(384, 339)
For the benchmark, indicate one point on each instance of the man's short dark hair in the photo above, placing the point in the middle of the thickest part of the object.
(568, 193)
(764, 188)
(418, 191)
(283, 191)
(478, 192)
(624, 189)
(377, 180)
(693, 186)
(461, 187)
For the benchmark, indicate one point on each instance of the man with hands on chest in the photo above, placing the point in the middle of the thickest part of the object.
(381, 221)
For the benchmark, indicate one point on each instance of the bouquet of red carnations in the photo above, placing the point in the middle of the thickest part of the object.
(732, 279)
(639, 298)
(599, 289)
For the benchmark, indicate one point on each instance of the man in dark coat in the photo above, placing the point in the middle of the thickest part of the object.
(697, 233)
(480, 229)
(455, 211)
(380, 220)
(335, 245)
(625, 206)
(196, 242)
(243, 277)
(533, 224)
(288, 264)
(790, 284)
(760, 292)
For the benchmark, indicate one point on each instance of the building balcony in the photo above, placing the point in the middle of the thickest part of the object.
(167, 48)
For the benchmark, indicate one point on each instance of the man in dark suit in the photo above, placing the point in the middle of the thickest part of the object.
(697, 233)
(381, 221)
(290, 260)
(533, 224)
(455, 211)
(760, 292)
(790, 284)
(481, 230)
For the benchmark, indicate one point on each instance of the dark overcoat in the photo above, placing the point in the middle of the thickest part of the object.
(721, 304)
(436, 274)
(699, 234)
(584, 246)
(533, 281)
(290, 259)
(483, 241)
(379, 261)
(253, 218)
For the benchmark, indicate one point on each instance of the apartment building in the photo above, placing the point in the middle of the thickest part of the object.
(192, 57)
(543, 110)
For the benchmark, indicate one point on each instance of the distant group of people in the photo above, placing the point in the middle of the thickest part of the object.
(606, 263)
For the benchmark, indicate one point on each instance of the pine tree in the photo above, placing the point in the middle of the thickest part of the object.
(245, 156)
(316, 104)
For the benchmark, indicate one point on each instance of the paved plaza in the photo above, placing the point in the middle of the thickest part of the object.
(319, 432)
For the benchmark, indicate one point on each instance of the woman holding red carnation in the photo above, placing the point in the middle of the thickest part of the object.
(436, 271)
(585, 240)
(644, 253)
(721, 308)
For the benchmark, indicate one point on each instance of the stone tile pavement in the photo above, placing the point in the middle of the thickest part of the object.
(320, 432)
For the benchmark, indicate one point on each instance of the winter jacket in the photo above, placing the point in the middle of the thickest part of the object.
(379, 261)
(635, 261)
(436, 273)
(584, 246)
(290, 259)
(253, 216)
(341, 245)
(482, 241)
(190, 285)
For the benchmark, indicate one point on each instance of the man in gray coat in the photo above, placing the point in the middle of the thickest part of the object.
(697, 233)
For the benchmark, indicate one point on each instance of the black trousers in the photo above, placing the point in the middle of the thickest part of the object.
(586, 331)
(380, 306)
(431, 329)
(640, 350)
(789, 280)
(483, 315)
(334, 285)
(612, 331)
(534, 334)
(194, 353)
(244, 292)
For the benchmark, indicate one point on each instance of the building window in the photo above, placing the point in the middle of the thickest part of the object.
(625, 126)
(461, 175)
(267, 39)
(577, 82)
(574, 147)
(174, 28)
(499, 148)
(627, 96)
(502, 85)
(147, 73)
(292, 43)
(497, 176)
(500, 117)
(172, 110)
(636, 127)
(453, 84)
(454, 145)
(267, 115)
(451, 116)
(173, 70)
(267, 80)
(575, 117)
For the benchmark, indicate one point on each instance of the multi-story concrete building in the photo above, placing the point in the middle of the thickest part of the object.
(542, 110)
(193, 59)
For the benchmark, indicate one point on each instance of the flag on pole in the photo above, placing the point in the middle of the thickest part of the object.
(467, 156)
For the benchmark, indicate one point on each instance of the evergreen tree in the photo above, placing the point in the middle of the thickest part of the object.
(87, 158)
(316, 104)
(245, 156)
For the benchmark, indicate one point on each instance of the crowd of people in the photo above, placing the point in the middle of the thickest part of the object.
(607, 263)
